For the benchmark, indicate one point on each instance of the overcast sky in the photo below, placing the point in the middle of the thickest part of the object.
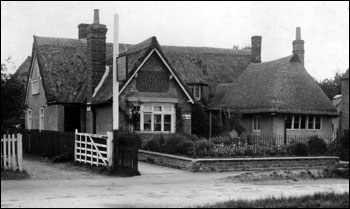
(324, 27)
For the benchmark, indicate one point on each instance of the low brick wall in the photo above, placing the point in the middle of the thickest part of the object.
(236, 164)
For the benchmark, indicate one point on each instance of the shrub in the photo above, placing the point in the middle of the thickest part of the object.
(317, 146)
(299, 149)
(203, 147)
(340, 146)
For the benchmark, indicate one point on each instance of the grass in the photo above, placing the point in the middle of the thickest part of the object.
(13, 175)
(318, 200)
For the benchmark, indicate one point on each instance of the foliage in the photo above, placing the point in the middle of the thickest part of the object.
(318, 200)
(12, 98)
(332, 86)
(340, 146)
(299, 149)
(317, 146)
(172, 144)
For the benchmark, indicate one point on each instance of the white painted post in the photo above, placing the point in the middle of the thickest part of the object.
(5, 151)
(110, 149)
(14, 158)
(75, 145)
(19, 152)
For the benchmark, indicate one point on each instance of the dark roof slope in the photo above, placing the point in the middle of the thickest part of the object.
(62, 64)
(281, 86)
(22, 72)
(207, 65)
(135, 56)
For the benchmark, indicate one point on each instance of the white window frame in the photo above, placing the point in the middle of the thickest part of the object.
(41, 118)
(197, 88)
(153, 112)
(307, 119)
(30, 119)
(258, 120)
(35, 82)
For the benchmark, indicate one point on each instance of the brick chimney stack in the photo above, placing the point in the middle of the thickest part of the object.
(96, 52)
(298, 45)
(95, 34)
(256, 49)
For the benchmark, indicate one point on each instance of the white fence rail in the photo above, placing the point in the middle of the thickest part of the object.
(11, 152)
(93, 149)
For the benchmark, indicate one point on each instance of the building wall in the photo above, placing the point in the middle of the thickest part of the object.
(345, 105)
(104, 119)
(53, 114)
(274, 125)
(104, 113)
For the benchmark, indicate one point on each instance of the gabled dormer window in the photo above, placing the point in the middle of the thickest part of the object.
(197, 91)
(35, 87)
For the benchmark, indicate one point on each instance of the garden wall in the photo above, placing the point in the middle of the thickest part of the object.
(236, 164)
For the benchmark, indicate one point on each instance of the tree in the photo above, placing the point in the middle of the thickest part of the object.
(12, 97)
(332, 86)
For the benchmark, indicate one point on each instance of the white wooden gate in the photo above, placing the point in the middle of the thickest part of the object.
(11, 152)
(93, 149)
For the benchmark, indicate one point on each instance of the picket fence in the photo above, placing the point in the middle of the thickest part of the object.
(94, 149)
(11, 152)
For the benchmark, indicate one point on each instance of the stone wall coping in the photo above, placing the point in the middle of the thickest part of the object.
(239, 159)
(166, 155)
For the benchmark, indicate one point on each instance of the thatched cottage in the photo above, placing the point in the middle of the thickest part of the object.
(278, 98)
(70, 82)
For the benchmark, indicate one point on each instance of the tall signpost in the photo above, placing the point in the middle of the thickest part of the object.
(115, 82)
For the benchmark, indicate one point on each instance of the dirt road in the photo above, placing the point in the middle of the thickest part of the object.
(156, 187)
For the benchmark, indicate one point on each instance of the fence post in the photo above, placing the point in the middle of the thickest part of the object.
(6, 153)
(75, 145)
(19, 152)
(4, 150)
(14, 157)
(110, 149)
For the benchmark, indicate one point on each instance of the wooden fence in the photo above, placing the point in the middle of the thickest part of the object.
(48, 143)
(94, 149)
(11, 152)
(126, 154)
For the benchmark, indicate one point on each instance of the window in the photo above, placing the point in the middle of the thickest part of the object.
(196, 91)
(157, 118)
(41, 118)
(256, 123)
(297, 122)
(29, 119)
(35, 86)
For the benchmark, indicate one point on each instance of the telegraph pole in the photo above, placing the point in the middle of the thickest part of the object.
(115, 82)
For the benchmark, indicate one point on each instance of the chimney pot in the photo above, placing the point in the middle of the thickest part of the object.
(256, 49)
(96, 16)
(298, 45)
(298, 33)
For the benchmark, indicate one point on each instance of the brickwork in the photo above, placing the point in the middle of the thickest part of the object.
(256, 49)
(237, 164)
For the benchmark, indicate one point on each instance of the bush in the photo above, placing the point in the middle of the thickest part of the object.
(173, 144)
(340, 146)
(317, 146)
(299, 149)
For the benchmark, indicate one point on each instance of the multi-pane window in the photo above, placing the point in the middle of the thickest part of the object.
(41, 118)
(30, 119)
(156, 118)
(256, 123)
(303, 122)
(196, 91)
(35, 86)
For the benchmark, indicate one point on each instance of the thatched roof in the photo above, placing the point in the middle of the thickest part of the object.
(135, 56)
(22, 72)
(207, 65)
(62, 64)
(280, 86)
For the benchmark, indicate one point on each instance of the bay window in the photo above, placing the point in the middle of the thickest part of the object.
(156, 118)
